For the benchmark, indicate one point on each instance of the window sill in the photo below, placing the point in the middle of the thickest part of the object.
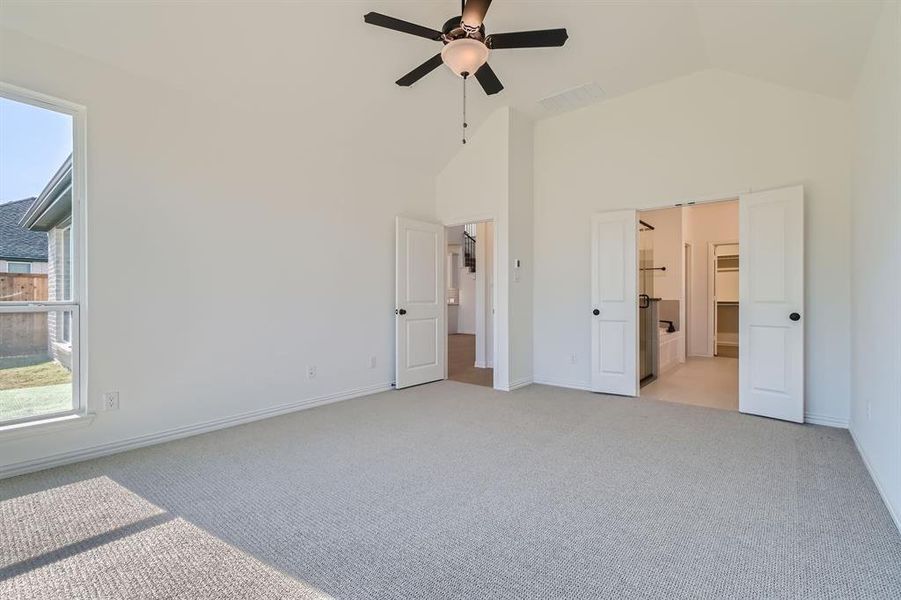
(40, 426)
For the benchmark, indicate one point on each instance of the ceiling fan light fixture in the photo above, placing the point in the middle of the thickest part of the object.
(465, 55)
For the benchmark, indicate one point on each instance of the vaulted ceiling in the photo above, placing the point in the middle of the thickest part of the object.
(324, 61)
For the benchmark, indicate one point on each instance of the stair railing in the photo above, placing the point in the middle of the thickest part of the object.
(469, 251)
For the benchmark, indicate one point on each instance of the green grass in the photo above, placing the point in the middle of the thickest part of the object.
(31, 390)
(46, 373)
(28, 402)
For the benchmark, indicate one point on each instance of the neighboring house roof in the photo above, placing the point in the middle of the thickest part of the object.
(16, 241)
(53, 205)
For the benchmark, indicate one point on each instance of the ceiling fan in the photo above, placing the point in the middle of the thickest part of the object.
(466, 46)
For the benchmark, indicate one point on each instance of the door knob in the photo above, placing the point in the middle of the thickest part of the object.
(595, 312)
(400, 311)
(794, 317)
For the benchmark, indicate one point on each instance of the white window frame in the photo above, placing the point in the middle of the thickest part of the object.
(78, 303)
(65, 325)
(10, 263)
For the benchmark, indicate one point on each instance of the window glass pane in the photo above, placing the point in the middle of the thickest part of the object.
(17, 267)
(38, 345)
(36, 200)
(35, 365)
(65, 331)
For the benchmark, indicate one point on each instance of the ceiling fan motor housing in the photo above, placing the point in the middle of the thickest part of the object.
(454, 29)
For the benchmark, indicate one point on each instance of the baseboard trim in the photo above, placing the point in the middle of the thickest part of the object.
(826, 420)
(65, 458)
(519, 383)
(896, 515)
(573, 385)
(812, 418)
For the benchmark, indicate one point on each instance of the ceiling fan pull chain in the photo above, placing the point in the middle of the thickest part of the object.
(464, 108)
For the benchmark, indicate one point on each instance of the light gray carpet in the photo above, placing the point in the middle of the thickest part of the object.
(457, 491)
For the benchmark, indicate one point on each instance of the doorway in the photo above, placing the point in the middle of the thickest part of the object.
(470, 303)
(425, 294)
(690, 252)
(761, 324)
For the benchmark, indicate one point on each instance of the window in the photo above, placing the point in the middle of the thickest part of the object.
(41, 301)
(18, 267)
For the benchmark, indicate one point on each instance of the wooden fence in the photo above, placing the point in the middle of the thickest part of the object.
(23, 287)
(23, 334)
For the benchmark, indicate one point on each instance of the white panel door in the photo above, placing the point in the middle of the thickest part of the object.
(614, 302)
(420, 306)
(771, 304)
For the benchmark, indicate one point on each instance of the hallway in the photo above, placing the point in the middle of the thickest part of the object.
(700, 381)
(461, 358)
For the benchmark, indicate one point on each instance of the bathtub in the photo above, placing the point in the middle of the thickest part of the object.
(671, 349)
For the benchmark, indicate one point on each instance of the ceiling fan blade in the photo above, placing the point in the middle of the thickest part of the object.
(474, 12)
(381, 20)
(543, 38)
(489, 81)
(420, 71)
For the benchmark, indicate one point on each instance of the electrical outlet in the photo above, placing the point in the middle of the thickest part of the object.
(311, 371)
(110, 401)
(372, 362)
(573, 359)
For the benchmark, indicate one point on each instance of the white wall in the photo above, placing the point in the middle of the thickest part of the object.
(466, 313)
(703, 225)
(484, 295)
(521, 215)
(454, 235)
(473, 187)
(710, 133)
(876, 260)
(490, 178)
(489, 271)
(230, 245)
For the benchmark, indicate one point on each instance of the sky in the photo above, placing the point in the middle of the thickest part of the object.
(34, 142)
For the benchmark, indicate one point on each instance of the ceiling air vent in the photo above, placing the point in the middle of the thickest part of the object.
(573, 98)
